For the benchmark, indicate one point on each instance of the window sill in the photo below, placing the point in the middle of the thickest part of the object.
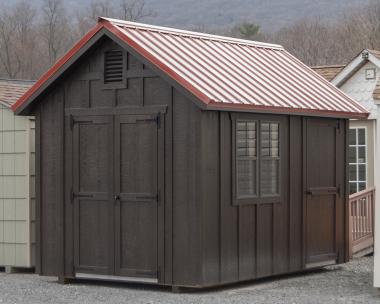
(257, 201)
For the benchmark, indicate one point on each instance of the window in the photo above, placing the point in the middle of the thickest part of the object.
(270, 158)
(357, 159)
(246, 158)
(257, 161)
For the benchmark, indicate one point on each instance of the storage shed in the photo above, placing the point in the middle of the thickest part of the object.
(17, 201)
(186, 159)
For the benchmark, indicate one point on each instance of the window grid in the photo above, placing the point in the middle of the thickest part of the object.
(257, 160)
(246, 153)
(357, 184)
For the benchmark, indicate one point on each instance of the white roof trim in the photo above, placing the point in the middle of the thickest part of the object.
(352, 67)
(5, 104)
(142, 26)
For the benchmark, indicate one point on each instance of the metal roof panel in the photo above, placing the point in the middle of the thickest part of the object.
(229, 73)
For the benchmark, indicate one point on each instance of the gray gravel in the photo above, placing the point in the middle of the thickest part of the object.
(349, 283)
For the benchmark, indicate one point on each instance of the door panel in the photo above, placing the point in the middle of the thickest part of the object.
(136, 188)
(92, 194)
(322, 192)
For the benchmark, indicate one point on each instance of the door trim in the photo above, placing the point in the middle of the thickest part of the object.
(331, 258)
(148, 110)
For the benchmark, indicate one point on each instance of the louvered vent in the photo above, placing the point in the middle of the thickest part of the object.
(113, 66)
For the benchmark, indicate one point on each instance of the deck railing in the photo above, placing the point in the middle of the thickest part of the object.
(361, 220)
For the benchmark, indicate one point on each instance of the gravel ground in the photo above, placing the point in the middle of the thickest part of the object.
(349, 283)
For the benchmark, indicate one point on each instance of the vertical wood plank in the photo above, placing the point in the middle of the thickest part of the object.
(187, 209)
(60, 193)
(295, 194)
(210, 196)
(229, 234)
(247, 241)
(264, 217)
(168, 264)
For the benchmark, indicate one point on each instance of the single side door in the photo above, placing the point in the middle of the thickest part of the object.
(322, 206)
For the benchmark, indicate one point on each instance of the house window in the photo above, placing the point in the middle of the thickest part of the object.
(257, 161)
(357, 159)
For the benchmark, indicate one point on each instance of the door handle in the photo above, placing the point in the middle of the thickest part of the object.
(117, 197)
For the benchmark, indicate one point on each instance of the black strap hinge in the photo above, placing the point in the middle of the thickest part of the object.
(156, 119)
(72, 121)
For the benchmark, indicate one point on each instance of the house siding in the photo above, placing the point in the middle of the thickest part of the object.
(361, 89)
(17, 196)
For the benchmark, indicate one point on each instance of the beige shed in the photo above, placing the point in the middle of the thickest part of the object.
(17, 197)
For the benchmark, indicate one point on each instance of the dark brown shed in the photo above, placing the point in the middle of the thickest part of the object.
(187, 159)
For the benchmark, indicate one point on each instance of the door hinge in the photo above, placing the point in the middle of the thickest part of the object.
(74, 195)
(72, 121)
(71, 195)
(159, 273)
(338, 125)
(156, 119)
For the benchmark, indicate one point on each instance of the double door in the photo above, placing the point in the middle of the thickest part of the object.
(115, 195)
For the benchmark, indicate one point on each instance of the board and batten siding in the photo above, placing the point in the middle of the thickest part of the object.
(207, 239)
(17, 197)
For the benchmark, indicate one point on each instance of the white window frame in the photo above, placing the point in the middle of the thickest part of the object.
(356, 163)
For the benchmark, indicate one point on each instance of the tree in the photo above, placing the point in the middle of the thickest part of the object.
(134, 10)
(246, 30)
(55, 29)
(17, 44)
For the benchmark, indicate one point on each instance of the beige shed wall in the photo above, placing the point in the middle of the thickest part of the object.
(17, 218)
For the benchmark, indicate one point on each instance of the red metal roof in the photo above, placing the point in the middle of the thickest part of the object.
(228, 73)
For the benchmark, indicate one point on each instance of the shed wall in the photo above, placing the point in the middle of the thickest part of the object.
(259, 240)
(81, 89)
(17, 198)
(207, 240)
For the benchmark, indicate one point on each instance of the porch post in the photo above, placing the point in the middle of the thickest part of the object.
(377, 199)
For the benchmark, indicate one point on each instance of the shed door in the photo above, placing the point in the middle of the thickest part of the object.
(322, 192)
(136, 190)
(92, 194)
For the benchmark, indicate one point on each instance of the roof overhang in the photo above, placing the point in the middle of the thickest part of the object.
(284, 111)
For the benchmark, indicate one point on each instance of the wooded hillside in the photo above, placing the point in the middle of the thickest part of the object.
(33, 36)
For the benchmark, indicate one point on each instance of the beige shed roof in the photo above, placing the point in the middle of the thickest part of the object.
(329, 71)
(11, 90)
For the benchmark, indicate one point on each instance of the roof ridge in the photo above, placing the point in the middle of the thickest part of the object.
(328, 66)
(193, 34)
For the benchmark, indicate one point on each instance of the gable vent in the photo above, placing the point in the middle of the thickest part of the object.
(113, 66)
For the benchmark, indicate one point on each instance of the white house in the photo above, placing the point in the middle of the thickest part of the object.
(17, 214)
(360, 79)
